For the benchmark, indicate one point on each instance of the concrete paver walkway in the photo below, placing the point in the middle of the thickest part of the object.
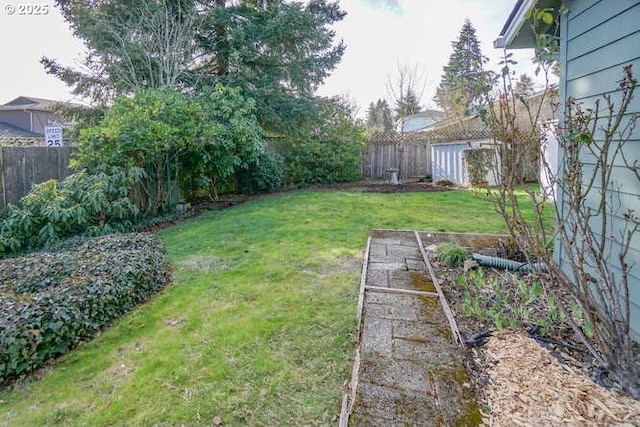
(409, 369)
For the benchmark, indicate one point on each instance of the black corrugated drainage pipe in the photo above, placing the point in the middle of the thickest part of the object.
(508, 264)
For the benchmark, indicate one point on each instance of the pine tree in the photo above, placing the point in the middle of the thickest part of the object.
(379, 116)
(524, 85)
(407, 105)
(464, 83)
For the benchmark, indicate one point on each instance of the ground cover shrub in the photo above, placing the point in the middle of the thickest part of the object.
(52, 301)
(91, 203)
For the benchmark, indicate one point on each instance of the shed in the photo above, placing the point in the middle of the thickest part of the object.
(448, 161)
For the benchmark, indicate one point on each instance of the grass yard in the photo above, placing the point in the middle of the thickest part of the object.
(257, 327)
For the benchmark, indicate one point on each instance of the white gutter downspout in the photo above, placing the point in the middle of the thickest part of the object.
(30, 119)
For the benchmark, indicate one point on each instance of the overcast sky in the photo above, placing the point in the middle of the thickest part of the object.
(379, 35)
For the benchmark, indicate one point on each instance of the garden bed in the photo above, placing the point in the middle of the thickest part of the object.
(532, 370)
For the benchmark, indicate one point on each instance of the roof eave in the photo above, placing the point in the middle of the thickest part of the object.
(514, 34)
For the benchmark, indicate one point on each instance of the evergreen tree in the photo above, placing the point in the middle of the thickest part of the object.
(524, 85)
(278, 52)
(131, 45)
(407, 105)
(464, 83)
(379, 116)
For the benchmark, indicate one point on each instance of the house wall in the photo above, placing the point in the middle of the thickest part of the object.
(19, 119)
(41, 119)
(599, 38)
(30, 121)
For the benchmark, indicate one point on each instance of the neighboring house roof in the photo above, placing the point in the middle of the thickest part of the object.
(432, 114)
(9, 130)
(473, 127)
(29, 103)
(420, 121)
(517, 32)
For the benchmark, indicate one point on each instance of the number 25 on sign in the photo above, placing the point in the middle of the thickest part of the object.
(53, 136)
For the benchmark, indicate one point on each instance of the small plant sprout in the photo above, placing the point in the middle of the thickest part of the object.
(509, 301)
(451, 255)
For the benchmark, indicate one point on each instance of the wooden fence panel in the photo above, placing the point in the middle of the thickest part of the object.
(21, 167)
(413, 158)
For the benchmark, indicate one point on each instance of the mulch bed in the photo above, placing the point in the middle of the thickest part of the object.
(405, 186)
(529, 387)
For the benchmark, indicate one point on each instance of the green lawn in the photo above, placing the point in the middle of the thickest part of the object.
(257, 327)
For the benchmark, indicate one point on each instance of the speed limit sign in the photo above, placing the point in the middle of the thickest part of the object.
(53, 136)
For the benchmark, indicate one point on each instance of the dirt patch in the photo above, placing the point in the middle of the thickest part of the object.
(366, 186)
(405, 186)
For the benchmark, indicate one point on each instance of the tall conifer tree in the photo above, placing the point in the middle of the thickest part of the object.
(278, 52)
(409, 104)
(379, 116)
(464, 82)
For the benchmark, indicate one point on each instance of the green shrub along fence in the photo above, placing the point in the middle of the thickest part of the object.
(51, 301)
(94, 203)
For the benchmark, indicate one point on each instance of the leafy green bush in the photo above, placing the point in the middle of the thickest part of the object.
(181, 141)
(264, 174)
(322, 162)
(50, 302)
(479, 162)
(91, 203)
(326, 151)
(451, 255)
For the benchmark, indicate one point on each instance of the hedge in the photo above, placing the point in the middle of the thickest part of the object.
(52, 301)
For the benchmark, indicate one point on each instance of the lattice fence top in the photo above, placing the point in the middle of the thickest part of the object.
(26, 141)
(435, 136)
(21, 141)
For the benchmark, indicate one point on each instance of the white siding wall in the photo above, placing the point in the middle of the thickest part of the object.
(599, 39)
(447, 161)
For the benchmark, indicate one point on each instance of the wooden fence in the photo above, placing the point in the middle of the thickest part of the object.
(21, 167)
(411, 153)
(413, 158)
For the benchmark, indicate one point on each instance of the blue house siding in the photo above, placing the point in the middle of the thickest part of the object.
(19, 119)
(598, 39)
